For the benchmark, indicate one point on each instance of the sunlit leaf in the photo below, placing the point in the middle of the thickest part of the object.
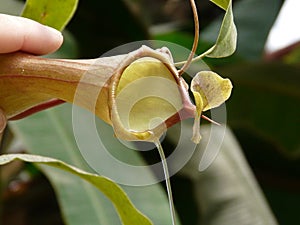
(251, 38)
(221, 3)
(128, 213)
(227, 38)
(54, 13)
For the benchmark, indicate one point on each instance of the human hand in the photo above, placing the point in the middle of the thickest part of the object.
(22, 34)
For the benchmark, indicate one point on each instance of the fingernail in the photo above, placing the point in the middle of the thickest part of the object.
(56, 33)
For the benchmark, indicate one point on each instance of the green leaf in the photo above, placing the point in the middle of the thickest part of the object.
(253, 23)
(227, 38)
(50, 133)
(221, 3)
(134, 173)
(272, 94)
(225, 189)
(128, 213)
(54, 13)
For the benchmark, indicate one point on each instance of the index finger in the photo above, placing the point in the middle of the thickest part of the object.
(22, 34)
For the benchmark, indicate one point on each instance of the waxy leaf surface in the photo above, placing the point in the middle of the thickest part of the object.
(129, 215)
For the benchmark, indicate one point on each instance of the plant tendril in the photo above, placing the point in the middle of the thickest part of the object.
(196, 58)
(196, 39)
(157, 142)
(167, 178)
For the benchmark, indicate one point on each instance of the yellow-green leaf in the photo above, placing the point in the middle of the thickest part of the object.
(54, 13)
(128, 213)
(221, 3)
(227, 38)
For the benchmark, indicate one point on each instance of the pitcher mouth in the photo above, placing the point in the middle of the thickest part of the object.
(162, 94)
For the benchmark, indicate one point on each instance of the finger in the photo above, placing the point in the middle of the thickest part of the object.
(18, 33)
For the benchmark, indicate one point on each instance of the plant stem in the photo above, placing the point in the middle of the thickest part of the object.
(167, 178)
(28, 82)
